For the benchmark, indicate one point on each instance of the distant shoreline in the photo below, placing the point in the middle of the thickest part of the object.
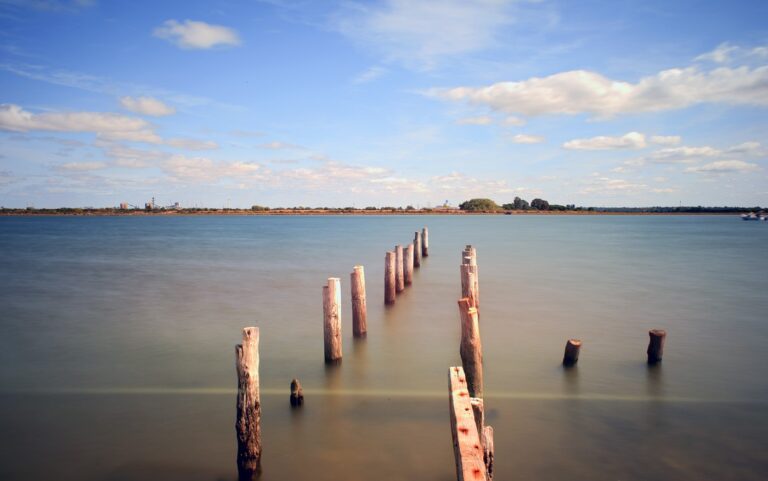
(291, 212)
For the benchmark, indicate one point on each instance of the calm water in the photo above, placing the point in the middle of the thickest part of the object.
(117, 347)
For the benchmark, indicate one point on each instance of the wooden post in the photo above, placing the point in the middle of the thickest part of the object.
(467, 449)
(485, 433)
(297, 394)
(471, 348)
(417, 249)
(468, 284)
(487, 442)
(390, 277)
(359, 309)
(408, 265)
(332, 320)
(248, 423)
(571, 356)
(424, 242)
(399, 264)
(656, 345)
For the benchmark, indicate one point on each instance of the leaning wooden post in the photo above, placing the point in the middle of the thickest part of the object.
(424, 242)
(656, 345)
(417, 249)
(408, 265)
(571, 356)
(359, 309)
(399, 274)
(471, 348)
(332, 320)
(248, 424)
(467, 450)
(390, 277)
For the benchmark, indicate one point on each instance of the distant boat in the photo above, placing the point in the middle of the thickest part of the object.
(753, 216)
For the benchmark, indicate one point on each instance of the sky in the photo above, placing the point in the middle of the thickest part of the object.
(383, 103)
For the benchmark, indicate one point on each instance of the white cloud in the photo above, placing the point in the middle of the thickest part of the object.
(632, 140)
(480, 120)
(192, 144)
(192, 34)
(147, 106)
(146, 136)
(682, 155)
(666, 139)
(14, 118)
(82, 166)
(513, 121)
(527, 139)
(421, 32)
(580, 91)
(607, 185)
(720, 54)
(724, 167)
(369, 75)
(276, 145)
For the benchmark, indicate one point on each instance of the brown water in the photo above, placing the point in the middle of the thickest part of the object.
(117, 347)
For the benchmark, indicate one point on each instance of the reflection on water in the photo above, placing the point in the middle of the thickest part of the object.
(116, 340)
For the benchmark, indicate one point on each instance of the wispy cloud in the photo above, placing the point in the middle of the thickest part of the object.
(369, 75)
(724, 167)
(631, 140)
(479, 120)
(191, 34)
(421, 33)
(527, 139)
(147, 106)
(14, 118)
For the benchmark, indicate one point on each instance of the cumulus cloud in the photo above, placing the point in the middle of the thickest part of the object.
(191, 34)
(480, 120)
(405, 30)
(585, 92)
(666, 139)
(192, 144)
(724, 167)
(147, 106)
(527, 139)
(14, 118)
(632, 140)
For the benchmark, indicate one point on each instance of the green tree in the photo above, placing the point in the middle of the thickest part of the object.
(479, 205)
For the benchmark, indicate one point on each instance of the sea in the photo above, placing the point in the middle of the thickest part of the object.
(118, 334)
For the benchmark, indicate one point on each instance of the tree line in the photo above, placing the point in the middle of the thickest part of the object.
(488, 205)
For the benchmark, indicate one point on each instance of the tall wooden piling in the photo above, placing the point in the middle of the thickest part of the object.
(390, 277)
(359, 308)
(332, 320)
(408, 265)
(399, 273)
(467, 449)
(469, 284)
(248, 423)
(656, 345)
(471, 348)
(571, 355)
(424, 242)
(485, 433)
(417, 249)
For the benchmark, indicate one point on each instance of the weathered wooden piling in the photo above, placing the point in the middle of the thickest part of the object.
(248, 423)
(471, 348)
(469, 284)
(408, 265)
(485, 433)
(571, 356)
(424, 242)
(332, 320)
(297, 394)
(390, 277)
(417, 249)
(359, 308)
(469, 258)
(467, 448)
(656, 345)
(399, 272)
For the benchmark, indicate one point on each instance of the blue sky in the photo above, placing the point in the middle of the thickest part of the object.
(391, 102)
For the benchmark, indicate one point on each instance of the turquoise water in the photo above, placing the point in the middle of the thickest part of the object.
(117, 343)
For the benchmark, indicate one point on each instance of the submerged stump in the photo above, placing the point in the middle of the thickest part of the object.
(571, 356)
(656, 345)
(297, 394)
